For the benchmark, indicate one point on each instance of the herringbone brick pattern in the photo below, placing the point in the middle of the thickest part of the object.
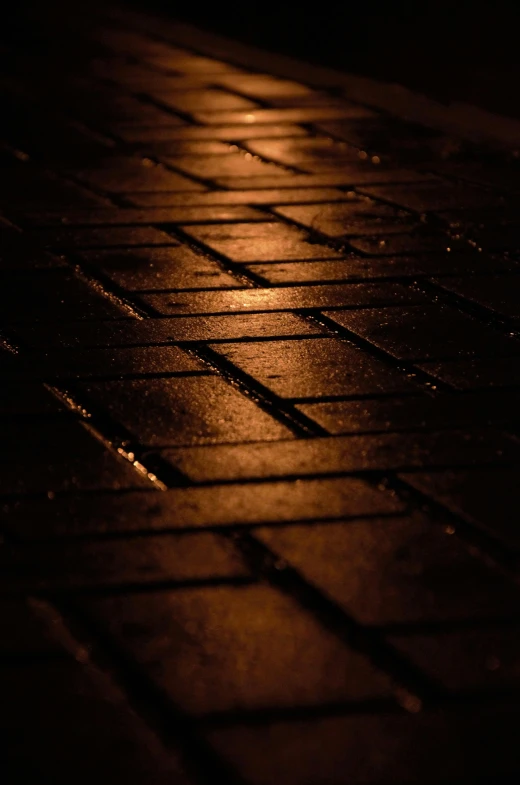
(260, 454)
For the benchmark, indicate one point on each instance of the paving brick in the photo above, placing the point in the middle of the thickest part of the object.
(314, 369)
(413, 412)
(268, 116)
(63, 456)
(299, 152)
(53, 296)
(111, 108)
(186, 508)
(373, 268)
(320, 153)
(476, 374)
(494, 218)
(390, 244)
(128, 147)
(89, 722)
(431, 197)
(313, 98)
(494, 175)
(134, 174)
(245, 230)
(187, 410)
(374, 452)
(501, 294)
(190, 63)
(252, 242)
(195, 147)
(127, 130)
(204, 100)
(118, 41)
(246, 197)
(428, 748)
(134, 332)
(134, 561)
(111, 217)
(355, 217)
(401, 570)
(143, 80)
(478, 496)
(282, 299)
(171, 267)
(228, 133)
(238, 164)
(392, 136)
(102, 238)
(262, 86)
(227, 649)
(405, 333)
(349, 175)
(108, 363)
(473, 659)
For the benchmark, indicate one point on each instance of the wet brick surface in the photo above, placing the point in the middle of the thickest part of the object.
(260, 433)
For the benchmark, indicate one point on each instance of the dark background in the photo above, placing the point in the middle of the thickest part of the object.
(449, 51)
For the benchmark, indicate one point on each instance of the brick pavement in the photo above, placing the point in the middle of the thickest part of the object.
(260, 466)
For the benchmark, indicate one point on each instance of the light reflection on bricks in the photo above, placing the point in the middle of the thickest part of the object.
(260, 364)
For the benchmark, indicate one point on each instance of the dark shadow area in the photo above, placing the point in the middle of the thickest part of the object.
(452, 51)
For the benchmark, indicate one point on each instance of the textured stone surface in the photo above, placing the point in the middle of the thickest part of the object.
(414, 412)
(188, 410)
(130, 174)
(260, 242)
(314, 369)
(112, 363)
(356, 268)
(179, 508)
(135, 332)
(283, 299)
(346, 454)
(475, 659)
(435, 196)
(196, 644)
(498, 293)
(138, 560)
(476, 374)
(484, 498)
(259, 423)
(400, 570)
(400, 332)
(355, 217)
(433, 747)
(152, 269)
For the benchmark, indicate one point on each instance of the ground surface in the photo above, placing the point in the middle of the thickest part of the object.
(260, 419)
(463, 51)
